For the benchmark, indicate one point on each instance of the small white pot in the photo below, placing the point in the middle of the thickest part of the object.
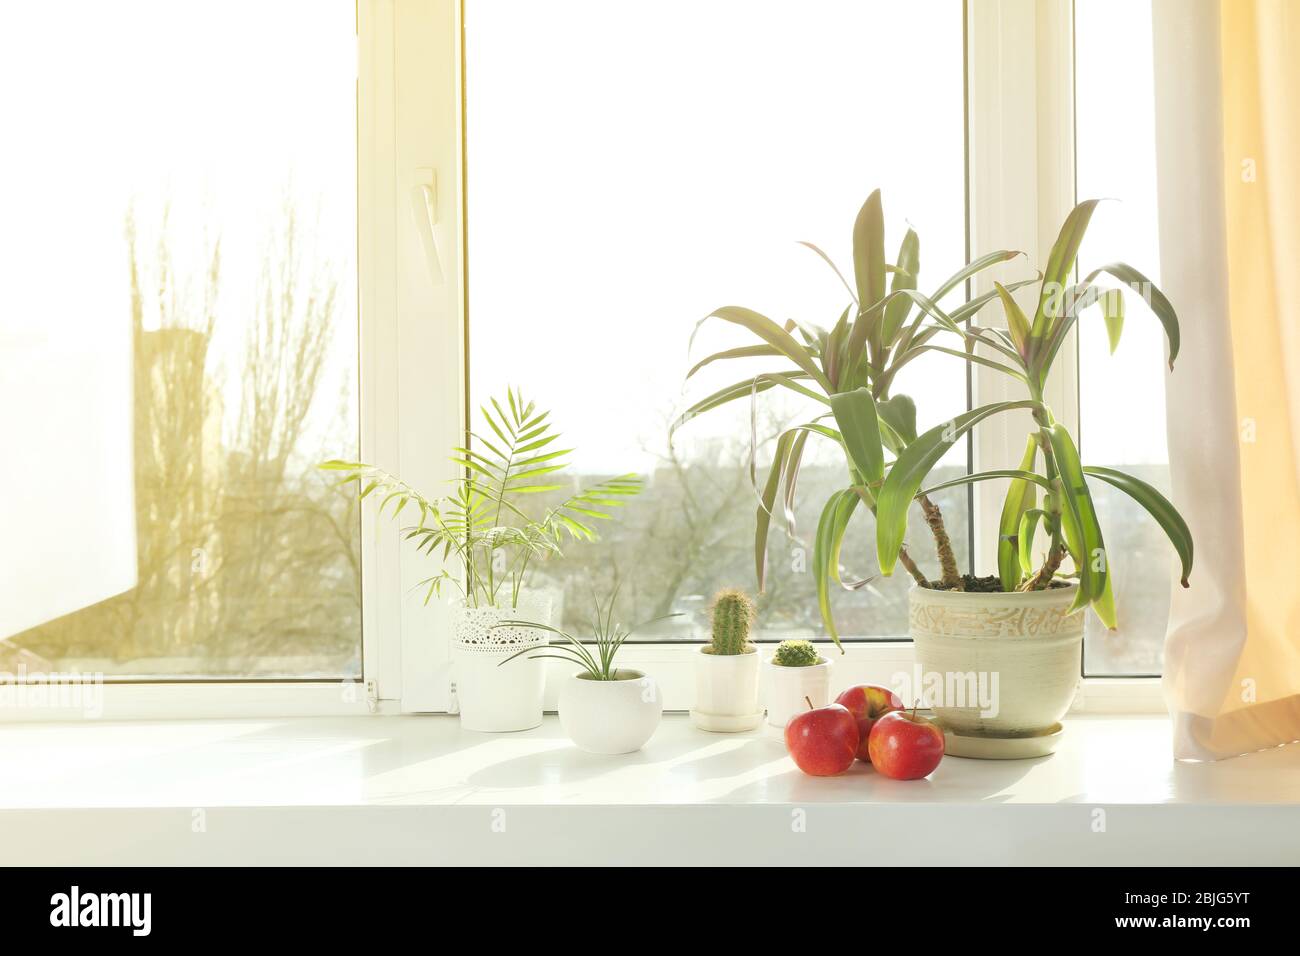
(492, 696)
(726, 692)
(610, 716)
(1016, 654)
(787, 688)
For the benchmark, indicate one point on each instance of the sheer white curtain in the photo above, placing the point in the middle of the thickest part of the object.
(1228, 155)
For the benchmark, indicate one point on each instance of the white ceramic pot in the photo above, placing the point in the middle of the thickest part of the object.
(493, 696)
(610, 716)
(997, 664)
(726, 692)
(787, 687)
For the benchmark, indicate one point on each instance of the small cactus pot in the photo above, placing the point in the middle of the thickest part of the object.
(786, 688)
(726, 692)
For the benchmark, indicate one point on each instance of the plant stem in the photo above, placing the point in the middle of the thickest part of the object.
(1044, 576)
(906, 561)
(950, 575)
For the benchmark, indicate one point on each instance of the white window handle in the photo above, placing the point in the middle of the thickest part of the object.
(424, 207)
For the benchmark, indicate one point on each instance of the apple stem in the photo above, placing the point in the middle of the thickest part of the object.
(915, 704)
(809, 702)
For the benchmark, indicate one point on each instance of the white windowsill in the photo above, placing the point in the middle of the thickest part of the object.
(420, 790)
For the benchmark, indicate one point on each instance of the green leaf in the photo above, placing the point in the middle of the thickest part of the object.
(1112, 312)
(1013, 473)
(869, 274)
(973, 268)
(899, 413)
(1079, 517)
(869, 251)
(1147, 289)
(907, 473)
(1021, 497)
(773, 335)
(744, 389)
(909, 259)
(767, 500)
(834, 268)
(1025, 538)
(855, 413)
(1158, 507)
(1059, 263)
(826, 552)
(747, 351)
(790, 477)
(1017, 321)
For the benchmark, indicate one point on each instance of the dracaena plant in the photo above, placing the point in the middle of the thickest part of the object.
(1025, 350)
(482, 528)
(849, 369)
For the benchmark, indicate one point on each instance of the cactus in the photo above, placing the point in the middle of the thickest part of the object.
(796, 654)
(733, 613)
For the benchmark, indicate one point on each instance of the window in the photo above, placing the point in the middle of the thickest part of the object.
(186, 192)
(347, 224)
(1122, 396)
(649, 172)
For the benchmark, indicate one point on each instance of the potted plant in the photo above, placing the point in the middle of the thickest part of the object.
(603, 708)
(726, 669)
(489, 542)
(849, 370)
(797, 678)
(1023, 624)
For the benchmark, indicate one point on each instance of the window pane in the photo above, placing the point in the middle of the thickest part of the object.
(1122, 397)
(661, 160)
(185, 175)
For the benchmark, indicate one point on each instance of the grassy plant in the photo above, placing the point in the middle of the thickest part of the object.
(796, 654)
(1025, 351)
(733, 614)
(849, 370)
(596, 658)
(487, 540)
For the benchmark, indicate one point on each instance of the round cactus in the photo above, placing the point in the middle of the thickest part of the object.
(733, 613)
(796, 654)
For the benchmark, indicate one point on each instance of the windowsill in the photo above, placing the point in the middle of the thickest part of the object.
(418, 789)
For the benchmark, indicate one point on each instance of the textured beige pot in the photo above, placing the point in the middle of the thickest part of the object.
(999, 664)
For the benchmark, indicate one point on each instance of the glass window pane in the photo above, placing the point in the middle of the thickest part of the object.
(1122, 397)
(660, 160)
(186, 174)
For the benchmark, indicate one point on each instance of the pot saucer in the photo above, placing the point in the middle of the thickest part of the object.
(1002, 748)
(725, 723)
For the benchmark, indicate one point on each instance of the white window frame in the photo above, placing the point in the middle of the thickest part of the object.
(412, 300)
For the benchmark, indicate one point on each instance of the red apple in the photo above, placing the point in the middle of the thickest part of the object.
(868, 703)
(904, 746)
(822, 740)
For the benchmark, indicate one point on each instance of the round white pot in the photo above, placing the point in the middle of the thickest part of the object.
(610, 716)
(493, 696)
(726, 692)
(997, 664)
(787, 688)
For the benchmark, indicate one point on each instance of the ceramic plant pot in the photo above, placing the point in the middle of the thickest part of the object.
(997, 664)
(726, 691)
(492, 696)
(610, 716)
(788, 689)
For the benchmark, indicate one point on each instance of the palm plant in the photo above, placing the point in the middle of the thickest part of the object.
(849, 369)
(482, 521)
(1025, 350)
(596, 657)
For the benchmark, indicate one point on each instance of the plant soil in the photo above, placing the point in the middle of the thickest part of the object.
(988, 584)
